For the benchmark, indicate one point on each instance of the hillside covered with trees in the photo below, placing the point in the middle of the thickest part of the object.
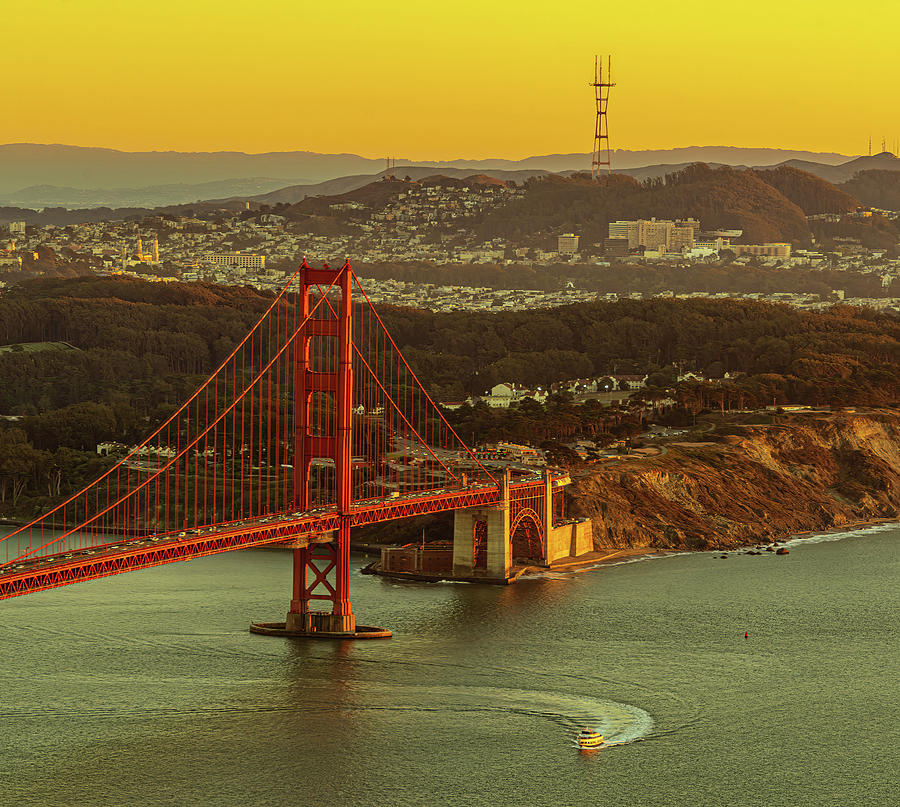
(133, 351)
(810, 193)
(759, 203)
(811, 357)
(144, 343)
(876, 188)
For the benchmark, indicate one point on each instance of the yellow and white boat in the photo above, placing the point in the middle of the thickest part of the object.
(588, 739)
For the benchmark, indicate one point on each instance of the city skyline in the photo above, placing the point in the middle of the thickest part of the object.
(398, 80)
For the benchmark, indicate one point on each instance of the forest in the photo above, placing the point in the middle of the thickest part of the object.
(876, 188)
(125, 353)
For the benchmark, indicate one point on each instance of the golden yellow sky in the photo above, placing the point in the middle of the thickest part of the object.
(439, 80)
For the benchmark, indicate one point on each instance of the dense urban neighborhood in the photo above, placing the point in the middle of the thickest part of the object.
(445, 224)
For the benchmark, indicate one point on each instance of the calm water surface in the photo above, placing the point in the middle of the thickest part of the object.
(147, 689)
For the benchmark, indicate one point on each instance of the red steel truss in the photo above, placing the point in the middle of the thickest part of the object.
(134, 553)
(314, 424)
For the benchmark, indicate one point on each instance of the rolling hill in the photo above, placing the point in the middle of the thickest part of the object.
(109, 171)
(342, 185)
(844, 172)
(808, 192)
(721, 198)
(769, 205)
(876, 188)
(39, 196)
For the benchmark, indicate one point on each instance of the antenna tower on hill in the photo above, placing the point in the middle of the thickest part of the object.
(389, 170)
(600, 159)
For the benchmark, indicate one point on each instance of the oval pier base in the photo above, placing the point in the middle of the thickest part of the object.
(279, 629)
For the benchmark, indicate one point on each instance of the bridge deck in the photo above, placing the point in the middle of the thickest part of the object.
(32, 574)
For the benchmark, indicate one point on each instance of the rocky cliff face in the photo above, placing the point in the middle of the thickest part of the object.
(745, 484)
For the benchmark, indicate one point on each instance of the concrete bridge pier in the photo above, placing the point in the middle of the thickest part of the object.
(306, 559)
(561, 542)
(321, 572)
(499, 547)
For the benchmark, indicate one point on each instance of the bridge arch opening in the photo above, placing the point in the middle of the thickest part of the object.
(527, 537)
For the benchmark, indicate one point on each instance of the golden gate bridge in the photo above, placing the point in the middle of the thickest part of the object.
(313, 425)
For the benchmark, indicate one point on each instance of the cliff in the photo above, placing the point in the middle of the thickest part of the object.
(744, 484)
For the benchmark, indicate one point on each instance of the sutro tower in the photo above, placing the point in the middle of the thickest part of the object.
(601, 130)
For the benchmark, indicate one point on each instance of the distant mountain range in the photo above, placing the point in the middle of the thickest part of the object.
(36, 175)
(835, 174)
(767, 204)
(873, 180)
(846, 171)
(41, 196)
(333, 187)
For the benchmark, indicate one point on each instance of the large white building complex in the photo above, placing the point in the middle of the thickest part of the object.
(567, 244)
(657, 234)
(240, 260)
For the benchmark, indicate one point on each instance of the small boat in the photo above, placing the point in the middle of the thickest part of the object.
(589, 739)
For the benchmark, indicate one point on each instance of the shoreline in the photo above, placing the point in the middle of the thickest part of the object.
(640, 553)
(848, 527)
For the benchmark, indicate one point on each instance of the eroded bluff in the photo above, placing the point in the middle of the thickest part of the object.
(748, 484)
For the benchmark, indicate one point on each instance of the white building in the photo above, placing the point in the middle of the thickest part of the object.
(656, 234)
(501, 396)
(237, 259)
(772, 250)
(567, 244)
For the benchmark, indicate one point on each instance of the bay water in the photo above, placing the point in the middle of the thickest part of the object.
(148, 689)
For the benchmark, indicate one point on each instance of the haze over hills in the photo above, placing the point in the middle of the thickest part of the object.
(40, 196)
(885, 161)
(68, 169)
(831, 172)
(767, 204)
(333, 187)
(625, 159)
(888, 183)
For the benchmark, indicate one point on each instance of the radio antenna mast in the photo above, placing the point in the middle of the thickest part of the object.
(600, 158)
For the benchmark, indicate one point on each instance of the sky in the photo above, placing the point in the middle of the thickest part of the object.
(443, 80)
